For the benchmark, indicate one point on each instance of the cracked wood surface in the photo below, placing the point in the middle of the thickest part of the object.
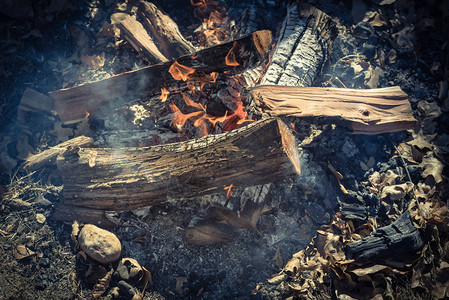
(127, 178)
(372, 111)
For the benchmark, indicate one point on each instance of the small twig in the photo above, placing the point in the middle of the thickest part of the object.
(403, 160)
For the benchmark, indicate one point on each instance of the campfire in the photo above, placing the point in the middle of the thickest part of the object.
(228, 125)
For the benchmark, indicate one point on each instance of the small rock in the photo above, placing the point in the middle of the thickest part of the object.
(99, 244)
(44, 262)
(126, 288)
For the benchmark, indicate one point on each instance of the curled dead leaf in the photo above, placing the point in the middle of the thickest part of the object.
(93, 61)
(397, 191)
(40, 218)
(179, 284)
(432, 167)
(21, 252)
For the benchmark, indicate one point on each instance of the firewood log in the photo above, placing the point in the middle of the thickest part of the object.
(134, 32)
(164, 30)
(100, 97)
(373, 111)
(127, 178)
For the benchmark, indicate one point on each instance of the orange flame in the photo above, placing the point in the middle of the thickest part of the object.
(192, 103)
(215, 27)
(87, 115)
(228, 189)
(164, 94)
(181, 72)
(179, 118)
(230, 57)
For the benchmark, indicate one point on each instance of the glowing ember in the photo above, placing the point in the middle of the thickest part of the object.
(228, 189)
(87, 115)
(192, 103)
(181, 72)
(164, 94)
(230, 57)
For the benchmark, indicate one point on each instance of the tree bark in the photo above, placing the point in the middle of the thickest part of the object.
(48, 157)
(99, 98)
(127, 178)
(373, 111)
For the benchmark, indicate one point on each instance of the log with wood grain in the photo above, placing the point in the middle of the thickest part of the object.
(101, 97)
(128, 178)
(373, 111)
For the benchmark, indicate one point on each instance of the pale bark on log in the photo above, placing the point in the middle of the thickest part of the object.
(128, 178)
(165, 31)
(303, 46)
(48, 157)
(99, 98)
(134, 32)
(372, 111)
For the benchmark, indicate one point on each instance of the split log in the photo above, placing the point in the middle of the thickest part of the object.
(99, 98)
(34, 102)
(48, 157)
(303, 46)
(134, 32)
(165, 31)
(128, 178)
(395, 240)
(373, 111)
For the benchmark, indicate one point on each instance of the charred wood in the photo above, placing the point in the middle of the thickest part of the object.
(98, 98)
(68, 213)
(395, 240)
(373, 111)
(127, 178)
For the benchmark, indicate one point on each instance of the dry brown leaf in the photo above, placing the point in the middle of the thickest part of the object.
(397, 191)
(370, 270)
(147, 279)
(133, 267)
(432, 167)
(102, 284)
(179, 283)
(420, 142)
(62, 134)
(430, 110)
(75, 231)
(40, 218)
(83, 128)
(404, 38)
(93, 61)
(278, 260)
(106, 30)
(21, 252)
(378, 180)
(23, 148)
(278, 278)
(375, 19)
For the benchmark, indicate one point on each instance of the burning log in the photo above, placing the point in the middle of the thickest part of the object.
(134, 32)
(165, 31)
(48, 157)
(373, 111)
(127, 178)
(98, 98)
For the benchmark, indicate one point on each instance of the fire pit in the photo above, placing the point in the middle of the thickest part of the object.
(236, 157)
